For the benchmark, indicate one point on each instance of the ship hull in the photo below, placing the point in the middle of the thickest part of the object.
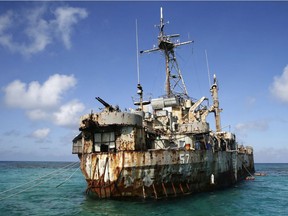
(163, 173)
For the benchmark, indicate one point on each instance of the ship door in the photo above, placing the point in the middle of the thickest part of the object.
(104, 142)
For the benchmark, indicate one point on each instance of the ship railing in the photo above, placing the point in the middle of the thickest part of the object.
(228, 150)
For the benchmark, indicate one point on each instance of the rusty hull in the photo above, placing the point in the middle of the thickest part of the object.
(162, 173)
(163, 149)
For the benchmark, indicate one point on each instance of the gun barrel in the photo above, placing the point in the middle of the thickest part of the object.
(106, 105)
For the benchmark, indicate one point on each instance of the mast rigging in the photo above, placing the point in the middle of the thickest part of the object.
(174, 84)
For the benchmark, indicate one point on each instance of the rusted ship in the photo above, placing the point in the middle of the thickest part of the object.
(163, 148)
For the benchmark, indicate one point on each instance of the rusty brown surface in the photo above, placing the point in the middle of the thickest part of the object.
(166, 149)
(160, 173)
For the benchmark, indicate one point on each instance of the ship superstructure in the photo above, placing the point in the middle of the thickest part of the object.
(170, 151)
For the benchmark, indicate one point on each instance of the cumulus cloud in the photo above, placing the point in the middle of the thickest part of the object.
(34, 95)
(41, 133)
(35, 31)
(279, 87)
(44, 101)
(68, 114)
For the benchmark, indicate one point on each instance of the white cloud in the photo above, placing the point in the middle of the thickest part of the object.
(37, 114)
(66, 17)
(279, 87)
(5, 21)
(34, 95)
(44, 102)
(260, 125)
(271, 155)
(38, 33)
(41, 133)
(68, 114)
(35, 30)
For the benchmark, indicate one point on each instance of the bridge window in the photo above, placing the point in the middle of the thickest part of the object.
(104, 142)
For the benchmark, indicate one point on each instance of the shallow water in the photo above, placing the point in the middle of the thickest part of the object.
(266, 195)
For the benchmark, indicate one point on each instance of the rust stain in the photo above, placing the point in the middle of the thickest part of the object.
(166, 149)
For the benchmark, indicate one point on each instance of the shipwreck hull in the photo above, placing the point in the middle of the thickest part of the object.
(162, 173)
(164, 147)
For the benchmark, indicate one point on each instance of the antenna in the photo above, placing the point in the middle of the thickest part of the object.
(207, 63)
(137, 54)
(139, 87)
(174, 83)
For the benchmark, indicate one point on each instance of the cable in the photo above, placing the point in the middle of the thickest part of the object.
(69, 165)
(68, 178)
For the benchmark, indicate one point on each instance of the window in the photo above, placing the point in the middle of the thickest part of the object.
(104, 141)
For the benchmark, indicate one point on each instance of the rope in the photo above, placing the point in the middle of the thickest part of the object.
(68, 178)
(69, 165)
(245, 166)
(39, 177)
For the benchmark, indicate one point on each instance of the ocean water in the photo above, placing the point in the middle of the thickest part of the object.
(58, 188)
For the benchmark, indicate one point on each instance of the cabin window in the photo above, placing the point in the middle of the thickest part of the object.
(104, 142)
(77, 147)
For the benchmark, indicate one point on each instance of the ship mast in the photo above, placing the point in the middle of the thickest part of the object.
(141, 102)
(215, 107)
(174, 81)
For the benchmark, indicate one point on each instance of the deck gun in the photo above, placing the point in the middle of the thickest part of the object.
(106, 105)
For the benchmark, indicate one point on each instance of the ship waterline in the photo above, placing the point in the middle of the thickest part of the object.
(162, 173)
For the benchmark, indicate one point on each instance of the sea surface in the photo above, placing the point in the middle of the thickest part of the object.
(58, 188)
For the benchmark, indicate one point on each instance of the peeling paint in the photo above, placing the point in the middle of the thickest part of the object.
(163, 148)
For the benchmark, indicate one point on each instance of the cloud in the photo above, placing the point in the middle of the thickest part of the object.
(44, 101)
(41, 133)
(37, 114)
(5, 21)
(260, 125)
(30, 32)
(271, 155)
(279, 87)
(68, 114)
(66, 17)
(34, 95)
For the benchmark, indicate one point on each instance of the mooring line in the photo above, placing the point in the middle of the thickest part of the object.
(68, 177)
(245, 166)
(39, 178)
(56, 171)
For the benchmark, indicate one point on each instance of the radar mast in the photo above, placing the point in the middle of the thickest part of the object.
(174, 84)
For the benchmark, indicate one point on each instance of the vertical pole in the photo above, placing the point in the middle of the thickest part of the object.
(168, 89)
(214, 91)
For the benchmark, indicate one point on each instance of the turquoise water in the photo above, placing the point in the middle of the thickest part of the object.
(50, 189)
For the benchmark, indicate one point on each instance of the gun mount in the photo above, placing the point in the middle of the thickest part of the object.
(107, 106)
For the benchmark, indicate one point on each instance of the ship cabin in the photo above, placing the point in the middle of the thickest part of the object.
(174, 123)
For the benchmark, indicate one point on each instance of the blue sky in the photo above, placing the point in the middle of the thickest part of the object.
(57, 56)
